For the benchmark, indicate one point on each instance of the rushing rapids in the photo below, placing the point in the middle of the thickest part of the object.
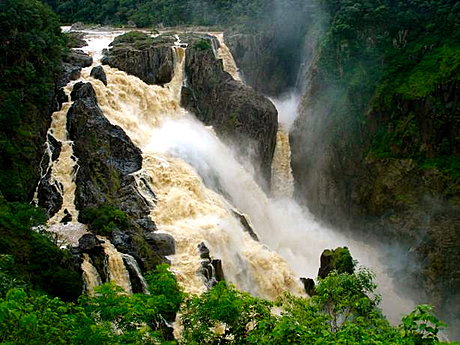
(198, 183)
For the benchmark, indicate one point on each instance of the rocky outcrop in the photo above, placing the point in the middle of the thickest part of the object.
(150, 59)
(338, 259)
(109, 175)
(211, 269)
(98, 73)
(238, 114)
(79, 58)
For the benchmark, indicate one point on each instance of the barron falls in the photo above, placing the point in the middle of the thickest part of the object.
(187, 181)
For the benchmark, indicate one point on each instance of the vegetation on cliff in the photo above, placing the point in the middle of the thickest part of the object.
(344, 311)
(31, 47)
(399, 63)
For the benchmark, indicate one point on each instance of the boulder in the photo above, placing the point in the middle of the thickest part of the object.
(162, 244)
(61, 98)
(89, 243)
(79, 58)
(309, 286)
(150, 59)
(211, 269)
(98, 73)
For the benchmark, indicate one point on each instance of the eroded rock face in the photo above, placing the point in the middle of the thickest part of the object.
(151, 60)
(240, 116)
(107, 161)
(98, 73)
(211, 269)
(79, 58)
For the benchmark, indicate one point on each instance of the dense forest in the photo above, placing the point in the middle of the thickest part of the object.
(381, 52)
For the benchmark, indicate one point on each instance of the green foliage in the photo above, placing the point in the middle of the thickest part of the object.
(104, 220)
(421, 325)
(344, 311)
(32, 257)
(150, 13)
(398, 64)
(31, 45)
(220, 314)
(202, 44)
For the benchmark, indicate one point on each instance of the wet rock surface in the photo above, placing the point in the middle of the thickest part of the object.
(98, 73)
(240, 116)
(109, 162)
(78, 58)
(150, 59)
(211, 269)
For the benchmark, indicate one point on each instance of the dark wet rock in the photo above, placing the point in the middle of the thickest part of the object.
(109, 175)
(49, 197)
(136, 244)
(67, 217)
(89, 243)
(98, 73)
(218, 269)
(106, 155)
(309, 286)
(162, 244)
(211, 269)
(242, 117)
(150, 59)
(204, 251)
(83, 90)
(246, 225)
(61, 98)
(136, 282)
(338, 259)
(78, 58)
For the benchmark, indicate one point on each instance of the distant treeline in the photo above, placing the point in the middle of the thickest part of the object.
(146, 13)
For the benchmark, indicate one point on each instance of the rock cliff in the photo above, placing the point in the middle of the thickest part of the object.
(238, 114)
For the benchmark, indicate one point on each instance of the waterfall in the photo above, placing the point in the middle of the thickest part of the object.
(198, 182)
(282, 179)
(132, 263)
(223, 52)
(91, 277)
(185, 207)
(117, 272)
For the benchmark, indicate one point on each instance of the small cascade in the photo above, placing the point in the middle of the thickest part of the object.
(227, 58)
(134, 267)
(91, 277)
(282, 179)
(115, 265)
(63, 170)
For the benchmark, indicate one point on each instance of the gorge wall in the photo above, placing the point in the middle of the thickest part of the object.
(374, 147)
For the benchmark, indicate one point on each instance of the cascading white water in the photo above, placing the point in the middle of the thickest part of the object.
(117, 272)
(185, 208)
(91, 277)
(173, 142)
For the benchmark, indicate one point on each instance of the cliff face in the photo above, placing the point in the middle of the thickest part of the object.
(388, 170)
(238, 114)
